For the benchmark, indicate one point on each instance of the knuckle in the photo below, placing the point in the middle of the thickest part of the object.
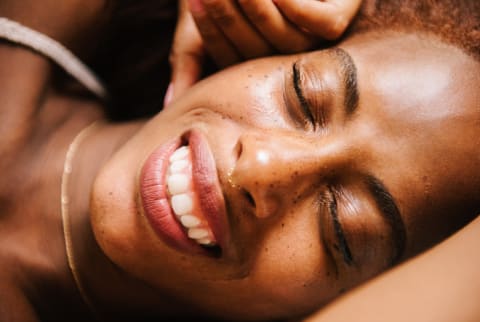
(337, 26)
(183, 56)
(299, 15)
(173, 57)
(220, 13)
(226, 20)
(181, 51)
(256, 14)
(207, 31)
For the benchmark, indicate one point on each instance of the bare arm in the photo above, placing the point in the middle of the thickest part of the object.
(73, 23)
(441, 285)
(25, 75)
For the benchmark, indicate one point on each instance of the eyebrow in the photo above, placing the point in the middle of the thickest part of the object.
(389, 209)
(382, 197)
(349, 79)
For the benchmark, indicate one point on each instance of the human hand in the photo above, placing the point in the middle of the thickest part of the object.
(186, 55)
(231, 31)
(326, 19)
(201, 30)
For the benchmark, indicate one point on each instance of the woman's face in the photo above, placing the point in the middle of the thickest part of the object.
(311, 173)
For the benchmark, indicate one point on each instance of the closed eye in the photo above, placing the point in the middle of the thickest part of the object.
(300, 96)
(339, 234)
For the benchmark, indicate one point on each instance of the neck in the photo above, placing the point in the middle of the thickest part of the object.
(35, 280)
(32, 248)
(112, 294)
(80, 246)
(32, 239)
(97, 280)
(33, 227)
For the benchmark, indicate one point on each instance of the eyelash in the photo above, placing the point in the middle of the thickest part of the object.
(333, 234)
(340, 236)
(301, 98)
(331, 201)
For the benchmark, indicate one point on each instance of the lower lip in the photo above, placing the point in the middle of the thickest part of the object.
(155, 199)
(155, 202)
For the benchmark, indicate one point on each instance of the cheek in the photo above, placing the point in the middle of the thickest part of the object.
(118, 224)
(249, 94)
(123, 233)
(292, 264)
(113, 212)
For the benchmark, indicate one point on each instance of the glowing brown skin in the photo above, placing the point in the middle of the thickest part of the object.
(414, 129)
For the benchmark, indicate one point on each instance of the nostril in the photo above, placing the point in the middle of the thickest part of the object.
(238, 149)
(250, 199)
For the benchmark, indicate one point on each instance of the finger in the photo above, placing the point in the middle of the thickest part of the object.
(216, 44)
(186, 71)
(186, 56)
(280, 33)
(327, 19)
(236, 27)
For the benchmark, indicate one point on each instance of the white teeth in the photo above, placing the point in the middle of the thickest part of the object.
(182, 204)
(181, 197)
(204, 241)
(177, 184)
(180, 154)
(178, 166)
(197, 233)
(189, 221)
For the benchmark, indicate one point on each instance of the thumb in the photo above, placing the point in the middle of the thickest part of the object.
(186, 58)
(186, 70)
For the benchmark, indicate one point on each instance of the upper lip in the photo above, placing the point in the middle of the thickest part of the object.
(206, 185)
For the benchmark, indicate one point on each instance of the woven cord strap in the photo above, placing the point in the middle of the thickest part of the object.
(17, 33)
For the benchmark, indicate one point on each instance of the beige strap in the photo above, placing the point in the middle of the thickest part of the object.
(17, 33)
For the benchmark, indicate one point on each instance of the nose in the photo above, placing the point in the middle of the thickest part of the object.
(274, 169)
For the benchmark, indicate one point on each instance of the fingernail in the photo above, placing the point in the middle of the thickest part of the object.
(168, 95)
(275, 2)
(196, 6)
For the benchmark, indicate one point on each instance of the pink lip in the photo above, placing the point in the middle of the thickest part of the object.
(154, 196)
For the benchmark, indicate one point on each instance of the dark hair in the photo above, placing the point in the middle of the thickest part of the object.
(456, 22)
(133, 58)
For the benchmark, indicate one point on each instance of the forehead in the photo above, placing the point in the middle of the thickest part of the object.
(416, 94)
(409, 73)
(418, 119)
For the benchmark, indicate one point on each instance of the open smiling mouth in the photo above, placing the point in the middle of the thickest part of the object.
(182, 197)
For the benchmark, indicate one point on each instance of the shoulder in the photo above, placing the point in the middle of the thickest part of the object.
(14, 305)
